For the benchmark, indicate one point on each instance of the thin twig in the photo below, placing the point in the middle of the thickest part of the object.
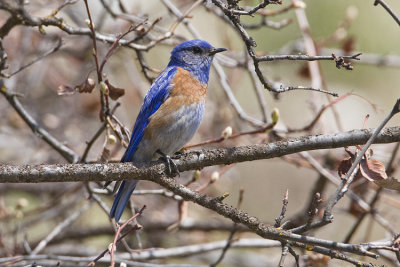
(231, 234)
(278, 221)
(64, 151)
(103, 97)
(92, 140)
(389, 171)
(95, 52)
(261, 130)
(151, 254)
(250, 11)
(119, 229)
(258, 90)
(285, 250)
(59, 228)
(234, 19)
(341, 190)
(101, 255)
(388, 9)
(55, 49)
(317, 117)
(114, 46)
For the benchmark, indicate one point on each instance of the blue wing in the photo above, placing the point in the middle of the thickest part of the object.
(157, 94)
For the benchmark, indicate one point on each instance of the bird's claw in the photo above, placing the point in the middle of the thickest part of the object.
(169, 162)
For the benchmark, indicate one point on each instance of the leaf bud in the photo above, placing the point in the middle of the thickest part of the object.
(227, 132)
(214, 177)
(104, 88)
(275, 115)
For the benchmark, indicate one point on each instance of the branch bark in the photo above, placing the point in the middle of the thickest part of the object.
(190, 161)
(200, 159)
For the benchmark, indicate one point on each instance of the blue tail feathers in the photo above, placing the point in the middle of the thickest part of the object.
(122, 199)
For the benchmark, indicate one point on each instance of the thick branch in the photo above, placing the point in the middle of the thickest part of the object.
(196, 160)
(304, 57)
(190, 161)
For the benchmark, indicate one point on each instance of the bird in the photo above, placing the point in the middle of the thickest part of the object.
(170, 114)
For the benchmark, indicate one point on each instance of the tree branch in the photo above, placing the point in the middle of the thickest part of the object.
(192, 160)
(64, 151)
(388, 9)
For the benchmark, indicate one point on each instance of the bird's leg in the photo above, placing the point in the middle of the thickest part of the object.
(169, 162)
(106, 184)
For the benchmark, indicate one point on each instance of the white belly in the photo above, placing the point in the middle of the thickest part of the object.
(173, 136)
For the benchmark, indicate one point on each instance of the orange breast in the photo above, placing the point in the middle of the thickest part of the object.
(187, 87)
(186, 91)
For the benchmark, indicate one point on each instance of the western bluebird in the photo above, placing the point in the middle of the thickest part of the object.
(171, 112)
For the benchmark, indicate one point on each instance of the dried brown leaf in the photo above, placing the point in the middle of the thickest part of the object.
(114, 92)
(344, 167)
(65, 90)
(304, 72)
(389, 183)
(86, 87)
(351, 154)
(349, 45)
(373, 170)
(316, 259)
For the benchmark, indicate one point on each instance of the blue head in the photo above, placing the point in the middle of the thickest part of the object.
(195, 56)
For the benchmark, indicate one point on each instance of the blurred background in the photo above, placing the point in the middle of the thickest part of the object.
(29, 212)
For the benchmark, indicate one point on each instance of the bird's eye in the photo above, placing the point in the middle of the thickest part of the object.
(196, 50)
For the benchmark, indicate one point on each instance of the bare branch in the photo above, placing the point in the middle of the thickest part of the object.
(64, 151)
(146, 255)
(251, 10)
(234, 19)
(105, 172)
(305, 57)
(231, 234)
(191, 160)
(55, 49)
(342, 189)
(278, 221)
(60, 228)
(388, 9)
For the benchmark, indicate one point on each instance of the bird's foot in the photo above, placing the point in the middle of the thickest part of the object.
(106, 184)
(170, 163)
(179, 153)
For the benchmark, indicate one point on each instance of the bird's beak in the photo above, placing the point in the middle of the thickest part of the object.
(216, 50)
